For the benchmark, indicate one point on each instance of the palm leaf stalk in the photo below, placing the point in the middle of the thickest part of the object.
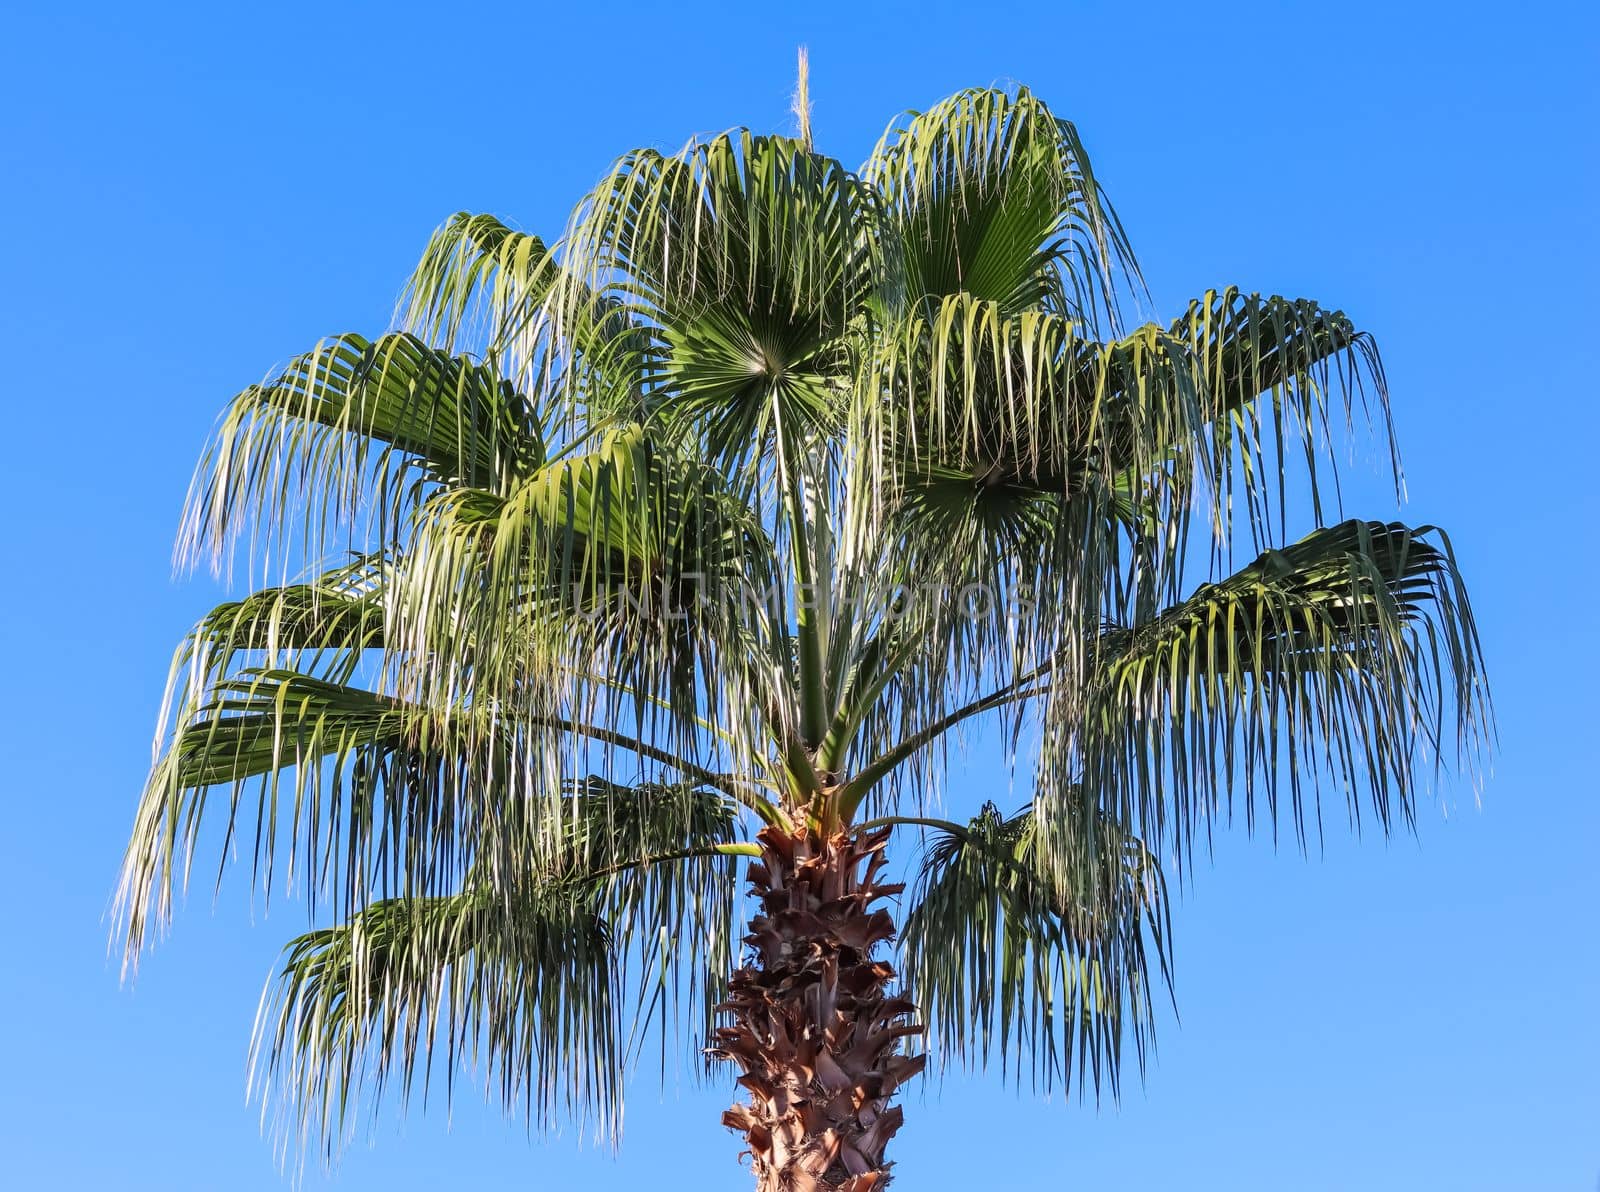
(679, 551)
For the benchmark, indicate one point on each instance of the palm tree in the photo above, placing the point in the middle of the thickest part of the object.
(676, 555)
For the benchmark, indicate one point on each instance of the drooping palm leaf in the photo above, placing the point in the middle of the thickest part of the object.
(528, 994)
(356, 429)
(323, 627)
(528, 978)
(361, 788)
(627, 561)
(1278, 378)
(476, 270)
(1349, 657)
(1009, 958)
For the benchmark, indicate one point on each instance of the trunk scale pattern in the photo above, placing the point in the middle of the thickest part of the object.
(814, 1029)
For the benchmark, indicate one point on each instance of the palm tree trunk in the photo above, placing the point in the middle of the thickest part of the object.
(814, 1030)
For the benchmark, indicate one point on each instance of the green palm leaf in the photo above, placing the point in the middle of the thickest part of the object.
(524, 977)
(476, 270)
(1048, 972)
(1349, 656)
(744, 259)
(360, 786)
(1314, 369)
(357, 428)
(990, 194)
(528, 993)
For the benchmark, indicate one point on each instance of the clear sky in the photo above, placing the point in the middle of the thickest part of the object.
(192, 193)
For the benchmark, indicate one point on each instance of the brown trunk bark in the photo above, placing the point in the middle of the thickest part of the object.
(814, 1031)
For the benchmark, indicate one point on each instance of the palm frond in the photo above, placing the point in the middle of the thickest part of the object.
(1350, 657)
(990, 194)
(1317, 374)
(627, 560)
(1048, 970)
(323, 627)
(530, 994)
(478, 279)
(744, 260)
(359, 787)
(484, 287)
(531, 978)
(357, 794)
(994, 459)
(355, 429)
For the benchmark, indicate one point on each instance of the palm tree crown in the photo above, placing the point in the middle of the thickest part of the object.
(677, 553)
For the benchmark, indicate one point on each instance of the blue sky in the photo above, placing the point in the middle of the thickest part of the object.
(194, 193)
